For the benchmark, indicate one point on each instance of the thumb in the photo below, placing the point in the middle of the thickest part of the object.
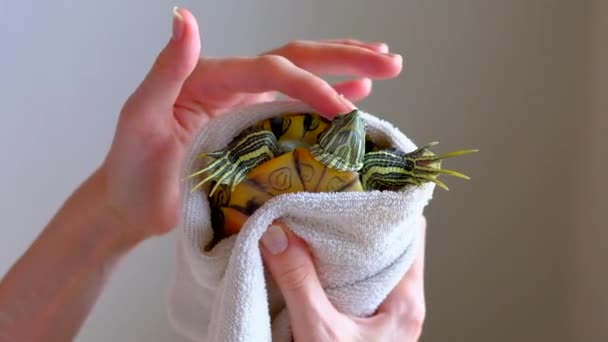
(291, 266)
(163, 83)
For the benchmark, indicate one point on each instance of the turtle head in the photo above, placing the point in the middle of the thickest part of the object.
(342, 145)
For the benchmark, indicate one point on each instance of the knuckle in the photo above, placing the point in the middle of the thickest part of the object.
(408, 317)
(295, 45)
(413, 320)
(274, 62)
(293, 277)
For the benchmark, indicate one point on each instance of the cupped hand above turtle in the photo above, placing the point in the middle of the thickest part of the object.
(184, 90)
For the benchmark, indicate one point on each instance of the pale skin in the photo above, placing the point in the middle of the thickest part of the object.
(134, 193)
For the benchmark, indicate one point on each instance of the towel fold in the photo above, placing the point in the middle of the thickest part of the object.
(363, 243)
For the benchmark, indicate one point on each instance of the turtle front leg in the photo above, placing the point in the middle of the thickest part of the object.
(243, 154)
(392, 169)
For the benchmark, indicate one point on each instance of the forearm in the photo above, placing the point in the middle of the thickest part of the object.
(51, 289)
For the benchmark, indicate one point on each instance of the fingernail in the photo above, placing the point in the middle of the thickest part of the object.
(275, 240)
(382, 47)
(178, 24)
(395, 56)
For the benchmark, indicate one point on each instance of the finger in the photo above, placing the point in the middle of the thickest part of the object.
(214, 77)
(406, 302)
(380, 47)
(177, 60)
(354, 90)
(339, 59)
(291, 266)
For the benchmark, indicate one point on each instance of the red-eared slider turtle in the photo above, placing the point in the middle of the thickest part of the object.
(296, 152)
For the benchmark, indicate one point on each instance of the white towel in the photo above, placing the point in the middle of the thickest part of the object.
(363, 242)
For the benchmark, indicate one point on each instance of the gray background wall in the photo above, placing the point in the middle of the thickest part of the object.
(590, 300)
(514, 254)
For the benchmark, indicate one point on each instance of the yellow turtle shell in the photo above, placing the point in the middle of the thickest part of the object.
(295, 170)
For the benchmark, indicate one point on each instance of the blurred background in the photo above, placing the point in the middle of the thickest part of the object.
(515, 254)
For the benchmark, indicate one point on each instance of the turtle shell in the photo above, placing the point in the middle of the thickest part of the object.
(293, 169)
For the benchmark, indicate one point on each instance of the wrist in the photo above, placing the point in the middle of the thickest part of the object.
(49, 290)
(88, 216)
(119, 233)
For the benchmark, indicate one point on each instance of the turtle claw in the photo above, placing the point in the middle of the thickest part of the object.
(221, 170)
(428, 165)
(435, 180)
(218, 166)
(454, 154)
(245, 152)
(445, 171)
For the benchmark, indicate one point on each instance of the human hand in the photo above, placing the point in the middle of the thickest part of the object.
(313, 318)
(183, 91)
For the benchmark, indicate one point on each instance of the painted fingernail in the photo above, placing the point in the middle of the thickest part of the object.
(275, 240)
(178, 24)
